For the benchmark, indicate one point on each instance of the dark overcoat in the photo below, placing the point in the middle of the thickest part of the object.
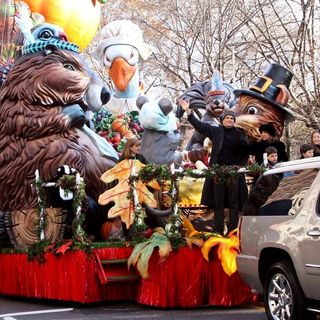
(215, 133)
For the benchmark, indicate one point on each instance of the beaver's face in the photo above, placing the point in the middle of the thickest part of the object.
(252, 112)
(58, 78)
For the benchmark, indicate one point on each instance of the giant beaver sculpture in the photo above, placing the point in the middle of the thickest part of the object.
(42, 116)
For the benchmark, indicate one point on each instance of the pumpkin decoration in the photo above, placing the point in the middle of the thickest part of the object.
(120, 125)
(128, 135)
(106, 229)
(80, 19)
(111, 229)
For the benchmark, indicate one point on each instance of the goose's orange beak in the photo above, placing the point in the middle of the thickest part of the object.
(121, 72)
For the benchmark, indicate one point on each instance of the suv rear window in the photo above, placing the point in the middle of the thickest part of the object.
(279, 194)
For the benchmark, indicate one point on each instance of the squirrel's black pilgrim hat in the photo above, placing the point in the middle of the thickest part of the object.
(271, 87)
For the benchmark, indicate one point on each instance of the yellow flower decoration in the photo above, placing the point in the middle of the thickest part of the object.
(228, 249)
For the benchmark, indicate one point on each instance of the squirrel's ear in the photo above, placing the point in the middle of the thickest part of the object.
(141, 101)
(283, 95)
(165, 106)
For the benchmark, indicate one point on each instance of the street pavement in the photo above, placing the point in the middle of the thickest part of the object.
(26, 309)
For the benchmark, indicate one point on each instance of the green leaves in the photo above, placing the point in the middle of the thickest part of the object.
(142, 252)
(223, 174)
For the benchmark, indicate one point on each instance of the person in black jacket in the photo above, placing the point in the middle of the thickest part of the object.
(268, 139)
(230, 148)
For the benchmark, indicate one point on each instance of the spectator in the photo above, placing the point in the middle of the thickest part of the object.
(229, 149)
(272, 156)
(268, 139)
(315, 141)
(131, 150)
(306, 151)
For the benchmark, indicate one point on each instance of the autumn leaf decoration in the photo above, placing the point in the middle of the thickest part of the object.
(142, 252)
(63, 248)
(228, 249)
(120, 194)
(192, 236)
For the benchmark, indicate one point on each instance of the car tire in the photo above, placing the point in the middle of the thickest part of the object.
(283, 296)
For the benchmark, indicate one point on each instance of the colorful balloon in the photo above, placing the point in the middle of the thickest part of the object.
(80, 19)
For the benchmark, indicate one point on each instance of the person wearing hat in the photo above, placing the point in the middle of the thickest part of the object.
(230, 148)
(216, 99)
(268, 139)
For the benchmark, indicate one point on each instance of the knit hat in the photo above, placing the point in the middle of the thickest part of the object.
(228, 113)
(269, 128)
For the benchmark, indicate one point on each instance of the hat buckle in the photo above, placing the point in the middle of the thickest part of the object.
(264, 87)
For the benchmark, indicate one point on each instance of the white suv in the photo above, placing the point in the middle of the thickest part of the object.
(279, 234)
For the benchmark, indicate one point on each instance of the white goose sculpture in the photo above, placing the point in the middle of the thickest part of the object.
(119, 50)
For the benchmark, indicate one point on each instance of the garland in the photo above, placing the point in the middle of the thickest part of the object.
(76, 185)
(37, 250)
(175, 228)
(69, 183)
(221, 174)
(38, 184)
(172, 228)
(138, 228)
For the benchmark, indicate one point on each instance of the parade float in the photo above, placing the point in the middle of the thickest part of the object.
(75, 223)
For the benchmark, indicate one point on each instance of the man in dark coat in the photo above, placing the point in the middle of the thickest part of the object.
(230, 149)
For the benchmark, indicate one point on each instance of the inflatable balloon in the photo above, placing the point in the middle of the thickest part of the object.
(79, 18)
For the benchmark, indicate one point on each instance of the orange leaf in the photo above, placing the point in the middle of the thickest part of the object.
(188, 226)
(194, 241)
(62, 249)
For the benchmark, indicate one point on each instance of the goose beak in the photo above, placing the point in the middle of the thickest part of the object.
(121, 72)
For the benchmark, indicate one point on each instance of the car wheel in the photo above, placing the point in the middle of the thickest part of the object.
(283, 296)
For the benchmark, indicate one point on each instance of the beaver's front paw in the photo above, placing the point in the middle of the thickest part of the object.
(75, 114)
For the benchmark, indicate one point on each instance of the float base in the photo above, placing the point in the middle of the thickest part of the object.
(184, 279)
